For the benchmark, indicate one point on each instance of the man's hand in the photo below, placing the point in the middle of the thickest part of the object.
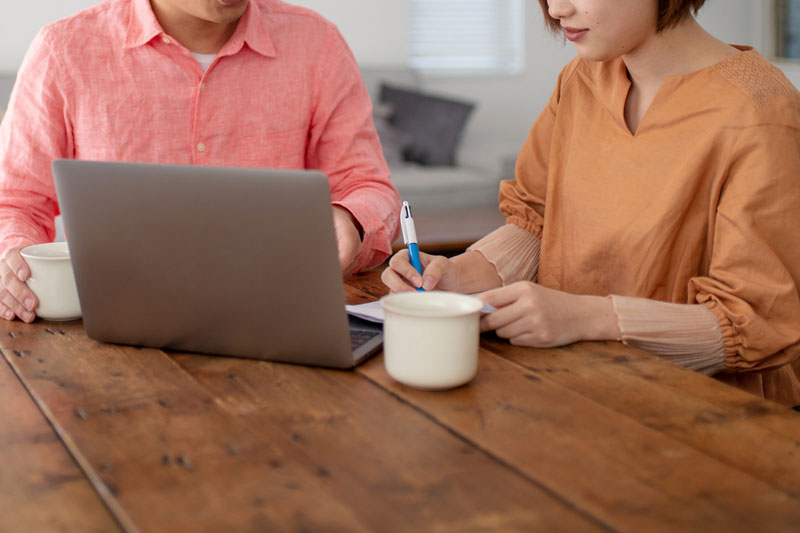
(16, 299)
(348, 240)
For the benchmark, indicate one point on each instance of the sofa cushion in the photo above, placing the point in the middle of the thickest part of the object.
(445, 187)
(393, 141)
(434, 123)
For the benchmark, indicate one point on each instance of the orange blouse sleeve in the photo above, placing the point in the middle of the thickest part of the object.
(752, 286)
(522, 200)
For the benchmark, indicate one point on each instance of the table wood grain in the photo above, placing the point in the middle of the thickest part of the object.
(41, 487)
(589, 437)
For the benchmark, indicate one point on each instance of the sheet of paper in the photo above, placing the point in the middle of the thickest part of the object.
(373, 311)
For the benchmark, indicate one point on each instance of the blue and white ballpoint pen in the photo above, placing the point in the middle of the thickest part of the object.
(410, 238)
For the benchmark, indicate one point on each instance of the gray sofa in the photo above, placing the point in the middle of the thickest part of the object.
(473, 181)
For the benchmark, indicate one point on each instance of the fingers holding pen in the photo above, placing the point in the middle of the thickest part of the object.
(402, 276)
(434, 268)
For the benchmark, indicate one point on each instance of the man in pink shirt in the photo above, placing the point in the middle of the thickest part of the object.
(255, 83)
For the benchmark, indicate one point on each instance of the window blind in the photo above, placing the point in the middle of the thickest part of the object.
(467, 36)
(787, 15)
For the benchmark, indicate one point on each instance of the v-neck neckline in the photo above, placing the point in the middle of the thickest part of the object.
(643, 121)
(622, 91)
(619, 105)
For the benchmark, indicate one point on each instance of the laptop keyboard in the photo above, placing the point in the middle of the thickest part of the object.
(359, 337)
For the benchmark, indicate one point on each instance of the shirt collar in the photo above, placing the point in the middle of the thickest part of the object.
(144, 27)
(252, 29)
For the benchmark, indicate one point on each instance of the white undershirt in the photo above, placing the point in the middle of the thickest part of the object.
(205, 60)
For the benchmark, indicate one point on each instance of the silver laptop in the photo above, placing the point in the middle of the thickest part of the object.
(228, 261)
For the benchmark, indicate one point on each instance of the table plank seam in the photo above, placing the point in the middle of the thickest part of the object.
(95, 481)
(224, 406)
(778, 407)
(547, 490)
(670, 494)
(765, 479)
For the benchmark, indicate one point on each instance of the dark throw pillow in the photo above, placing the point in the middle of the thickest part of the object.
(433, 123)
(393, 141)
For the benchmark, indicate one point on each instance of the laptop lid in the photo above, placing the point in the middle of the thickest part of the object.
(228, 261)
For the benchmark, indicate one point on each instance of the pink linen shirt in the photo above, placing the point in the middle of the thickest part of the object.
(109, 84)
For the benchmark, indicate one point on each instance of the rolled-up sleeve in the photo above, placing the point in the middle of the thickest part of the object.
(33, 133)
(343, 143)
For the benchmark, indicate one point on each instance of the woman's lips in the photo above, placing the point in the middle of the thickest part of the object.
(575, 34)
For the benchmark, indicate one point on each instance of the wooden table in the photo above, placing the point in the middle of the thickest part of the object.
(590, 437)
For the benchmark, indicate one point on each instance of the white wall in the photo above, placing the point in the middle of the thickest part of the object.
(19, 25)
(376, 31)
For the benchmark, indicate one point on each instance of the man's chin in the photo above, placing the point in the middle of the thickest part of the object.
(233, 3)
(226, 11)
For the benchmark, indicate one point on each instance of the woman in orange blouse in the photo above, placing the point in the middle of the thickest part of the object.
(656, 201)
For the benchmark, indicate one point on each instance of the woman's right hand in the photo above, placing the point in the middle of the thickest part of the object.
(16, 298)
(438, 272)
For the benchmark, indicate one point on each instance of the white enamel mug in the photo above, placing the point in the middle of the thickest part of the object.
(430, 339)
(52, 281)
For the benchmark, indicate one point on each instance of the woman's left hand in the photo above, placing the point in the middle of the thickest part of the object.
(531, 315)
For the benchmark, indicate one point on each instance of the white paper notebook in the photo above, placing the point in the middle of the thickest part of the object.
(373, 312)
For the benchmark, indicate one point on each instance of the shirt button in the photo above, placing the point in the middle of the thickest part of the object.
(166, 39)
(202, 86)
(201, 147)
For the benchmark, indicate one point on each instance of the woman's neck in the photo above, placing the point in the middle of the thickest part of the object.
(679, 50)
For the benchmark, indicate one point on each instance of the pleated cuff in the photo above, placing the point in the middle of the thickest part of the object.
(687, 335)
(513, 251)
(730, 337)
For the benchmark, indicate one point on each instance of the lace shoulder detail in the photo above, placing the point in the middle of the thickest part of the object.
(756, 77)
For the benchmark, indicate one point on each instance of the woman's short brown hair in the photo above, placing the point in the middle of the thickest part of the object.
(670, 13)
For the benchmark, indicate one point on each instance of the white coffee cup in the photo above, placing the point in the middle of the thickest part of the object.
(52, 281)
(430, 339)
